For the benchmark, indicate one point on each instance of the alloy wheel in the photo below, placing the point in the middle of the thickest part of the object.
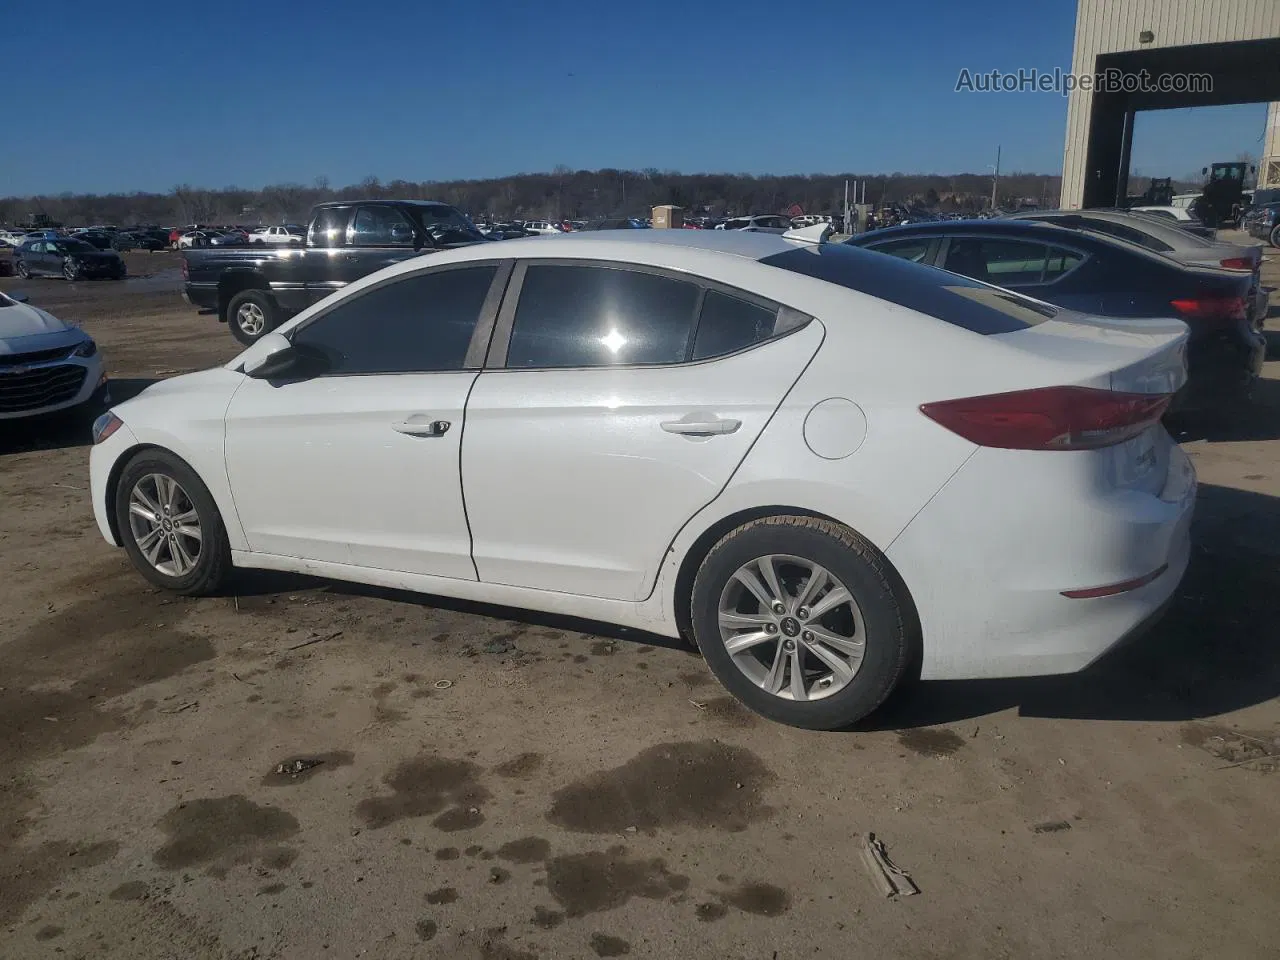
(251, 320)
(792, 627)
(164, 524)
(69, 271)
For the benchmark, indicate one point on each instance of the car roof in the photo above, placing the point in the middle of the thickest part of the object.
(1158, 227)
(617, 243)
(1025, 229)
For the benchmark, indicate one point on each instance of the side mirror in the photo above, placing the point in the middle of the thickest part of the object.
(18, 297)
(269, 357)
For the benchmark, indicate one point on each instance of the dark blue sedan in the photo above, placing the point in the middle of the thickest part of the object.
(1103, 276)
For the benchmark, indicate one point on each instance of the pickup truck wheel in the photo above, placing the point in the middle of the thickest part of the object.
(252, 313)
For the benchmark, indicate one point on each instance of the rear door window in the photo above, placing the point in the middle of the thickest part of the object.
(727, 324)
(1006, 263)
(593, 316)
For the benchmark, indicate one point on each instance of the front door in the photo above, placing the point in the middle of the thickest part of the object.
(627, 401)
(358, 463)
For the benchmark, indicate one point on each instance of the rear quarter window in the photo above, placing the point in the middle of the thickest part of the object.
(936, 293)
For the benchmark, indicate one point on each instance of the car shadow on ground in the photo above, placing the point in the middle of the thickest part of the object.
(1255, 419)
(60, 431)
(1214, 651)
(250, 586)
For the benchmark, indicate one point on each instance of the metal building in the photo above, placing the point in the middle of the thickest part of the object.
(1236, 43)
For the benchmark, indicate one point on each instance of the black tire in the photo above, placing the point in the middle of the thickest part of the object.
(890, 630)
(246, 301)
(213, 562)
(1275, 236)
(23, 271)
(70, 271)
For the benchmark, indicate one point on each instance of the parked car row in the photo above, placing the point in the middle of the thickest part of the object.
(1263, 222)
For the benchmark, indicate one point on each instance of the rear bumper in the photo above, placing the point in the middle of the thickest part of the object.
(202, 295)
(988, 558)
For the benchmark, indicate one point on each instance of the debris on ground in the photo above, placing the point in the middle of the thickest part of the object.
(890, 879)
(1051, 826)
(315, 639)
(443, 684)
(291, 768)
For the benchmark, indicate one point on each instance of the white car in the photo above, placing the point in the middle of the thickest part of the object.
(278, 235)
(824, 464)
(46, 365)
(758, 224)
(1170, 212)
(542, 227)
(12, 238)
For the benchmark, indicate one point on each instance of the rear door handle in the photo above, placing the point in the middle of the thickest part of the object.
(420, 426)
(701, 425)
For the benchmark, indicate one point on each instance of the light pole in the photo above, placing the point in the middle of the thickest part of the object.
(995, 179)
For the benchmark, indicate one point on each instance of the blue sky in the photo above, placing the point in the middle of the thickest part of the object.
(232, 92)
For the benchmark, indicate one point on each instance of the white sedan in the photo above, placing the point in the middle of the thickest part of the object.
(828, 467)
(46, 364)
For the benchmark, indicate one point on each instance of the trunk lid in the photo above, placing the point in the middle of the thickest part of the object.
(1125, 356)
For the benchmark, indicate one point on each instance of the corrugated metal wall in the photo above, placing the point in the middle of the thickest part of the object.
(1112, 26)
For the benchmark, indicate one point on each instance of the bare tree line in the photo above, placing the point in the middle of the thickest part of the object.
(559, 194)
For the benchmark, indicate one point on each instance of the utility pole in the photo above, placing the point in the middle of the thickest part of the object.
(995, 180)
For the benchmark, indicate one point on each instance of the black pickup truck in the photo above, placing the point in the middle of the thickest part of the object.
(255, 289)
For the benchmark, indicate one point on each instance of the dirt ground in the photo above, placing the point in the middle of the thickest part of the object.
(511, 787)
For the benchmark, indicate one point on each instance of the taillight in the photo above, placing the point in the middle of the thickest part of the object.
(1216, 309)
(1237, 263)
(1049, 418)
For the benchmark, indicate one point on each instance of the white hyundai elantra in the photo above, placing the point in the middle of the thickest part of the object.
(827, 466)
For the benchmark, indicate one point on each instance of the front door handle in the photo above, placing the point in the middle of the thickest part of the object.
(420, 426)
(701, 425)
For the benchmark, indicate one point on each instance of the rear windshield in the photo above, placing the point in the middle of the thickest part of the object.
(945, 296)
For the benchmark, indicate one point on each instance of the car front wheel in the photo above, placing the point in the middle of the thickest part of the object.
(70, 271)
(1275, 236)
(23, 270)
(801, 620)
(170, 525)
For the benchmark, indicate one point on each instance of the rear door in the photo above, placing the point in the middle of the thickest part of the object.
(617, 402)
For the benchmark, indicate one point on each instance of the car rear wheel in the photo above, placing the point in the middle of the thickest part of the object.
(252, 313)
(799, 618)
(70, 271)
(1275, 236)
(170, 525)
